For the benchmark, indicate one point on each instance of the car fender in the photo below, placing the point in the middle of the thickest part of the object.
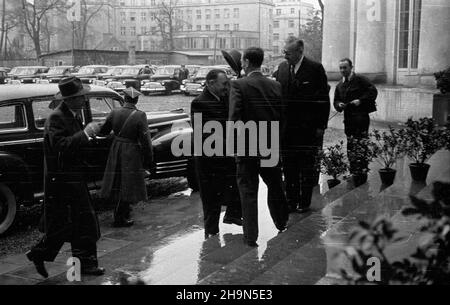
(15, 173)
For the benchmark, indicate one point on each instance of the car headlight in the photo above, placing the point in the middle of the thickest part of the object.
(184, 82)
(163, 83)
(34, 80)
(203, 83)
(91, 81)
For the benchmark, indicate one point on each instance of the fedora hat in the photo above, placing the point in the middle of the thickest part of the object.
(233, 58)
(71, 87)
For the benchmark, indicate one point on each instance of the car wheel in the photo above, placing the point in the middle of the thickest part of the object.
(187, 93)
(168, 92)
(192, 177)
(8, 208)
(146, 93)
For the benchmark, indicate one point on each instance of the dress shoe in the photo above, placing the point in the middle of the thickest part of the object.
(292, 209)
(96, 271)
(124, 223)
(38, 264)
(303, 210)
(232, 220)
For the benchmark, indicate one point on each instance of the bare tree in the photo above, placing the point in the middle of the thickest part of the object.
(33, 16)
(322, 10)
(7, 22)
(168, 22)
(89, 10)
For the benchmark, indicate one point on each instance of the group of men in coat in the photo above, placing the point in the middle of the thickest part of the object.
(69, 215)
(299, 100)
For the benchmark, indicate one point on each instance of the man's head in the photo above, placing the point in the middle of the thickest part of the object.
(183, 66)
(73, 92)
(346, 67)
(218, 83)
(293, 50)
(252, 59)
(76, 103)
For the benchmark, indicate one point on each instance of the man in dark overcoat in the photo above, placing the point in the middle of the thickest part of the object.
(306, 94)
(68, 212)
(355, 95)
(258, 99)
(130, 154)
(216, 174)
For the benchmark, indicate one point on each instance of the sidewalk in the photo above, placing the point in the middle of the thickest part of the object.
(166, 246)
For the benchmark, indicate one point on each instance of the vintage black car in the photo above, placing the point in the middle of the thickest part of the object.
(23, 111)
(132, 76)
(3, 76)
(196, 84)
(165, 80)
(88, 74)
(55, 74)
(26, 74)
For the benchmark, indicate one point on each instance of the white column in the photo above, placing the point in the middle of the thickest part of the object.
(336, 35)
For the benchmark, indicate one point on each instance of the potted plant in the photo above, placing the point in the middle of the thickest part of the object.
(386, 149)
(420, 140)
(441, 101)
(360, 157)
(333, 163)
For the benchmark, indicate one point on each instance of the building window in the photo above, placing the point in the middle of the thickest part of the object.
(199, 27)
(133, 31)
(208, 27)
(409, 34)
(276, 24)
(217, 27)
(291, 23)
(226, 13)
(199, 14)
(123, 31)
(143, 30)
(291, 34)
(236, 13)
(227, 27)
(276, 37)
(153, 2)
(236, 27)
(189, 27)
(217, 13)
(208, 14)
(143, 16)
(292, 10)
(278, 12)
(276, 49)
(133, 16)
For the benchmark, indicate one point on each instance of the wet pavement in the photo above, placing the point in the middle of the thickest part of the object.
(167, 246)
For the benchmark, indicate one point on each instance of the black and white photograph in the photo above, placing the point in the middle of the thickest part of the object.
(220, 149)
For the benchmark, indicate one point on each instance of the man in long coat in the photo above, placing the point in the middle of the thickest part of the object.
(131, 151)
(306, 94)
(68, 212)
(216, 174)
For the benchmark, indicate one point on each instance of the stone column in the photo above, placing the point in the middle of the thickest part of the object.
(434, 45)
(336, 35)
(132, 56)
(370, 39)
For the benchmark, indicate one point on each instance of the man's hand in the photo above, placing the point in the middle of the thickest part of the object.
(341, 106)
(319, 133)
(356, 103)
(92, 129)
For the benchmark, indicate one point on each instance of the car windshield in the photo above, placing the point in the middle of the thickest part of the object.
(115, 71)
(165, 71)
(203, 72)
(25, 71)
(131, 71)
(86, 70)
(57, 70)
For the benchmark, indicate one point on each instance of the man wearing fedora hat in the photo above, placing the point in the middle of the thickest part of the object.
(131, 152)
(68, 212)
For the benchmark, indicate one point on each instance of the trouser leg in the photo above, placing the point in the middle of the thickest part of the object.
(248, 183)
(276, 198)
(291, 170)
(47, 249)
(85, 249)
(231, 191)
(356, 130)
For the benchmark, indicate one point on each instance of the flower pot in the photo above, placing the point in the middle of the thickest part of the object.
(359, 179)
(333, 182)
(419, 171)
(387, 175)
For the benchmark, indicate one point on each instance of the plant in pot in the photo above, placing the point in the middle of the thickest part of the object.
(332, 162)
(443, 80)
(386, 149)
(360, 155)
(420, 140)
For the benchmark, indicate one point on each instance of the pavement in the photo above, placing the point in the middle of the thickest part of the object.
(167, 246)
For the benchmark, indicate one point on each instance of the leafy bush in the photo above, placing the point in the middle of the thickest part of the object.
(443, 80)
(386, 147)
(333, 161)
(421, 139)
(429, 265)
(360, 155)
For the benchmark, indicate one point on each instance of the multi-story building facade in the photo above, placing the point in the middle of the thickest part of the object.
(198, 25)
(287, 18)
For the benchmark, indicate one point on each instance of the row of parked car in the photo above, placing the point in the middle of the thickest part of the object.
(147, 79)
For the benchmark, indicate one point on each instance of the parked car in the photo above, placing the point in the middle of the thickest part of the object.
(165, 80)
(88, 74)
(23, 112)
(3, 76)
(131, 76)
(26, 74)
(6, 69)
(55, 74)
(112, 72)
(196, 84)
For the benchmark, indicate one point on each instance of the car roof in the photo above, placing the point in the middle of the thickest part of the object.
(96, 66)
(62, 67)
(170, 66)
(31, 67)
(16, 92)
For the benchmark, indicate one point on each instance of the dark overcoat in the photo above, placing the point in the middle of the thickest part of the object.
(68, 210)
(130, 152)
